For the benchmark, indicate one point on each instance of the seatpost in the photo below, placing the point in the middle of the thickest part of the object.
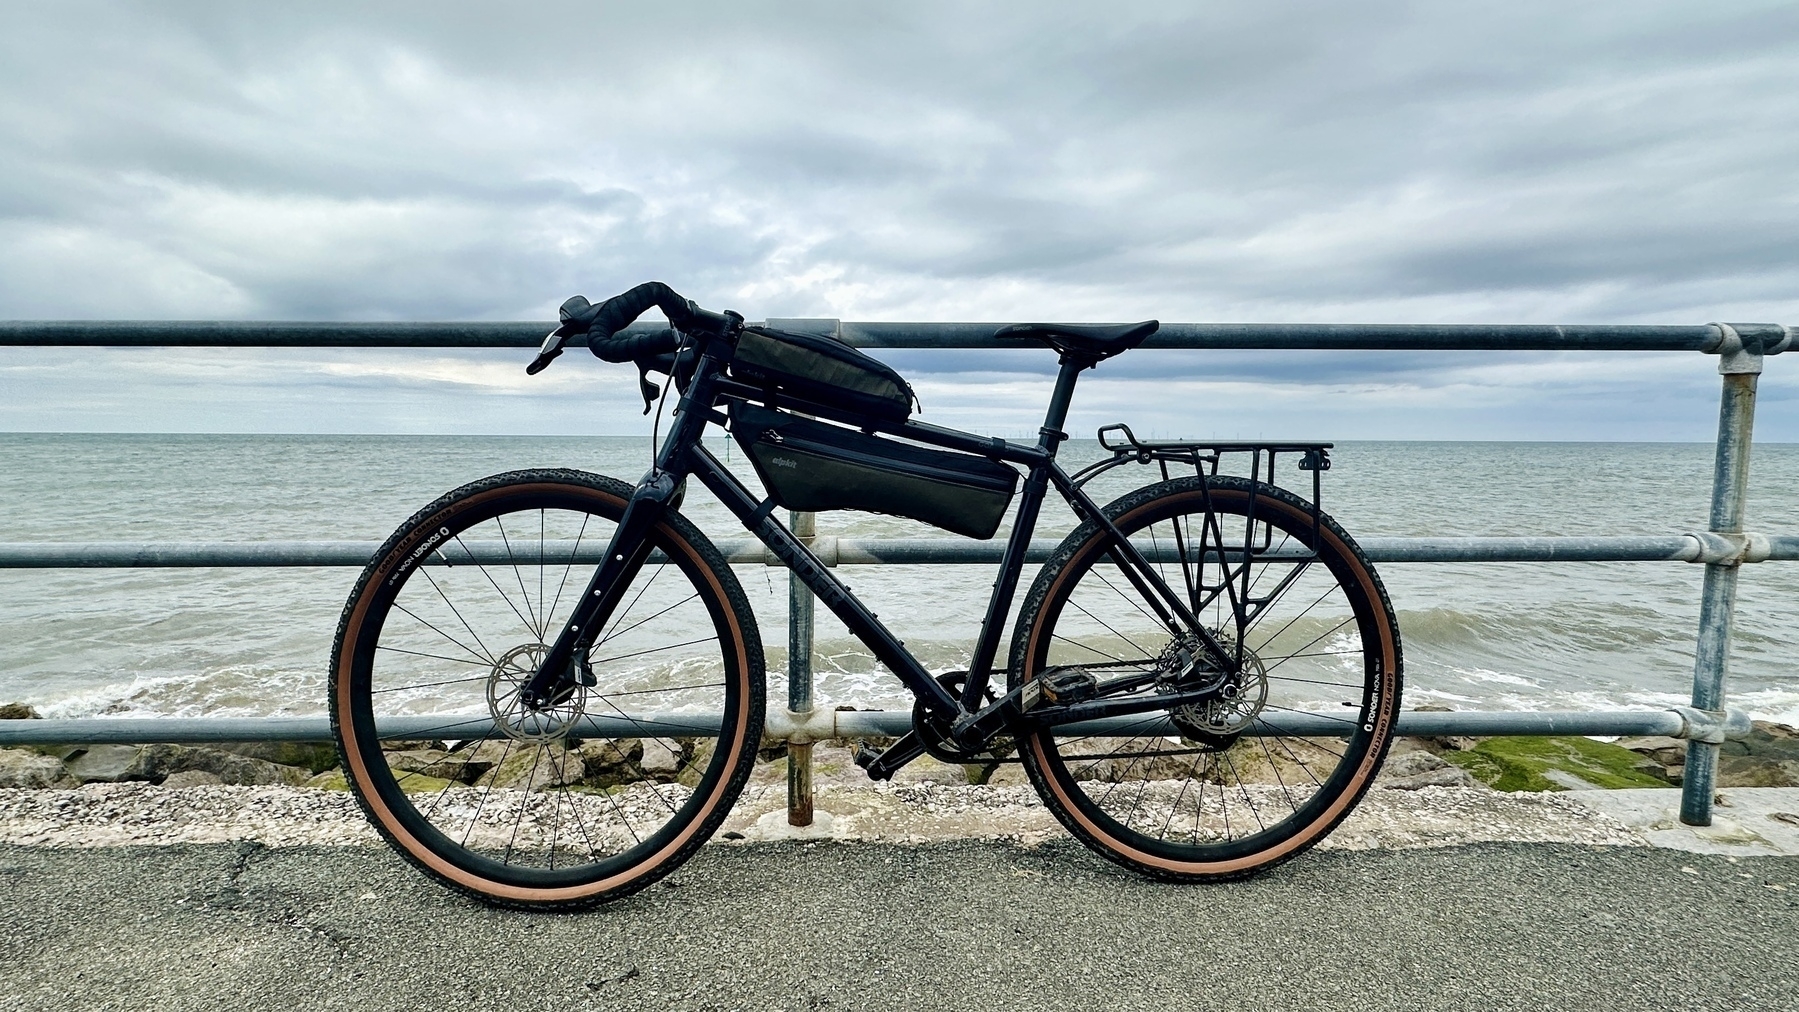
(1051, 435)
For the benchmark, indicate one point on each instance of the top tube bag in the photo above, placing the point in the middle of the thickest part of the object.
(820, 369)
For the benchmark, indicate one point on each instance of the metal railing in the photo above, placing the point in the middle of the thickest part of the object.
(1723, 549)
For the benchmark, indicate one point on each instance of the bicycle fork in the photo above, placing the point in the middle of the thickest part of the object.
(625, 555)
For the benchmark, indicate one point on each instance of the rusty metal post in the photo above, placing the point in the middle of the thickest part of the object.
(799, 679)
(1740, 363)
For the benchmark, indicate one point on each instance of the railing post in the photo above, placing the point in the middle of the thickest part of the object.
(1740, 365)
(799, 679)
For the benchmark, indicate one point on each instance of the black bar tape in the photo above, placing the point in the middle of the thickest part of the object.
(620, 311)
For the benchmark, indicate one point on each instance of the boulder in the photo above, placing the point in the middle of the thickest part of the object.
(330, 780)
(1767, 757)
(192, 778)
(155, 763)
(1524, 764)
(697, 760)
(432, 762)
(18, 711)
(1757, 771)
(609, 762)
(535, 768)
(313, 756)
(25, 768)
(659, 762)
(1410, 771)
(105, 764)
(1450, 742)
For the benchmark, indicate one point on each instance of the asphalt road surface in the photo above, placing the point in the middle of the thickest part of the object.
(966, 925)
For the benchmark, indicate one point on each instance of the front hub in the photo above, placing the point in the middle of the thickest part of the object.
(513, 714)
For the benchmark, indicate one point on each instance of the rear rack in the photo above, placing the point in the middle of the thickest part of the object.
(1204, 457)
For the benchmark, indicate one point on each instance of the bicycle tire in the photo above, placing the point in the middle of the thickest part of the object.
(1081, 777)
(400, 655)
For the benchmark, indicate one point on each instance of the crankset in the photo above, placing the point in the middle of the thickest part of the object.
(934, 734)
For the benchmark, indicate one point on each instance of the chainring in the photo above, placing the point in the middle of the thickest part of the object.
(935, 736)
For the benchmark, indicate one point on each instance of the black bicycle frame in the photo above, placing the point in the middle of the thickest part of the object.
(682, 454)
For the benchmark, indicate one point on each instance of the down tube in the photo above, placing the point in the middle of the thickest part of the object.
(862, 623)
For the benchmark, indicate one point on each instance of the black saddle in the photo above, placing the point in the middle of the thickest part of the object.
(1087, 340)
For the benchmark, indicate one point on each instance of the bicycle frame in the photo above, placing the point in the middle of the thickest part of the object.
(682, 455)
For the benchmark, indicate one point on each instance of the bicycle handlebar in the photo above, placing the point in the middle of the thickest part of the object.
(603, 325)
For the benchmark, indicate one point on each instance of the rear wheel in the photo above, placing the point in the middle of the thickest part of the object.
(1276, 754)
(595, 797)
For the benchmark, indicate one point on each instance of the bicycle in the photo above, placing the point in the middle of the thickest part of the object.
(1202, 679)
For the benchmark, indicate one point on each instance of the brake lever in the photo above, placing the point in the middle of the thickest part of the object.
(552, 347)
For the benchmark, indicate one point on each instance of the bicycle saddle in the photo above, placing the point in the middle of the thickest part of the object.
(1087, 339)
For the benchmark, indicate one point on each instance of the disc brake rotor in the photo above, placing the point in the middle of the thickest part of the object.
(1228, 710)
(505, 698)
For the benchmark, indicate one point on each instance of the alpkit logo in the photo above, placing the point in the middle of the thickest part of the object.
(783, 462)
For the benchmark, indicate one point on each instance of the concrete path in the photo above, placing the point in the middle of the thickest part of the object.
(1746, 821)
(952, 925)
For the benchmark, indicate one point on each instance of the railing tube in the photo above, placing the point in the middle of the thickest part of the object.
(799, 680)
(1740, 366)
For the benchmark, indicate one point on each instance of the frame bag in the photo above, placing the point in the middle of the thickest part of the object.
(820, 369)
(815, 467)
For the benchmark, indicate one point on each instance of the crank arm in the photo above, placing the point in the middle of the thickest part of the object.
(882, 764)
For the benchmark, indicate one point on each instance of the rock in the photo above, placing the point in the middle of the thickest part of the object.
(155, 763)
(313, 756)
(697, 761)
(159, 761)
(1452, 742)
(438, 763)
(418, 783)
(930, 770)
(535, 768)
(1757, 771)
(1523, 764)
(1767, 757)
(1767, 740)
(24, 768)
(105, 763)
(18, 711)
(1412, 763)
(1410, 771)
(330, 780)
(658, 761)
(192, 778)
(610, 762)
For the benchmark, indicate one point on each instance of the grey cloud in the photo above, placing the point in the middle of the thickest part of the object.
(1531, 162)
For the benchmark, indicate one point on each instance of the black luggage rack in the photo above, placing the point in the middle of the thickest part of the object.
(1204, 457)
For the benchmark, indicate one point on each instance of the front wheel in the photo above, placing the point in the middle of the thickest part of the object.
(588, 800)
(1290, 732)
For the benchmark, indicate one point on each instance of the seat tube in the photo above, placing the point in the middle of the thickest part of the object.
(1030, 506)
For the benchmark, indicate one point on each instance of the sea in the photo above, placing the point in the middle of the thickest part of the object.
(255, 642)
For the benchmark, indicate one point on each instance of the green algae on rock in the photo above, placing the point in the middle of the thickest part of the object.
(1552, 764)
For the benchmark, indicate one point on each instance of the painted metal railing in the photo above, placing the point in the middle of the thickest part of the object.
(1723, 549)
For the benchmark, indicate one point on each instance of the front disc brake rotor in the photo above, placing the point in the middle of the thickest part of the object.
(505, 698)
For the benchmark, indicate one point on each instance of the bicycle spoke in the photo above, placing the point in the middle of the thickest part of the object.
(482, 566)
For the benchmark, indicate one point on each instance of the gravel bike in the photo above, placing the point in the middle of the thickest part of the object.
(548, 686)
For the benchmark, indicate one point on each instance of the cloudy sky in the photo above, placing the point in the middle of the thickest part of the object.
(1600, 162)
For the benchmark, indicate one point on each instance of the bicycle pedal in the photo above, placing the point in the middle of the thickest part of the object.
(1066, 686)
(865, 756)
